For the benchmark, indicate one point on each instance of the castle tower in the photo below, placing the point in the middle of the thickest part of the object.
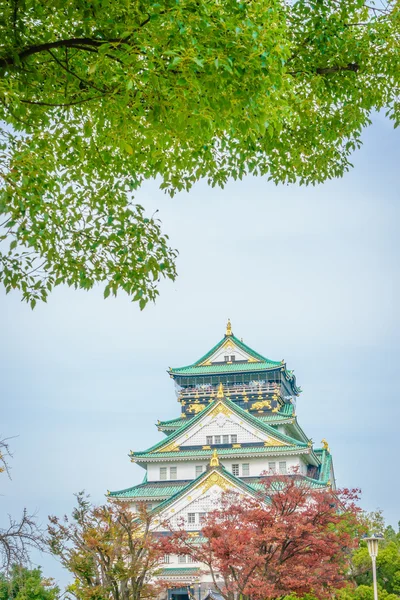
(237, 423)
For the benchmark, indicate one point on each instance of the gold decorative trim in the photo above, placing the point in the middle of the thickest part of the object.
(236, 445)
(215, 479)
(261, 405)
(206, 448)
(214, 460)
(228, 331)
(220, 393)
(170, 448)
(220, 408)
(196, 408)
(325, 444)
(272, 442)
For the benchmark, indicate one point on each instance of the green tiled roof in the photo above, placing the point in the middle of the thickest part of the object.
(286, 412)
(179, 571)
(194, 369)
(168, 492)
(326, 463)
(172, 423)
(222, 452)
(235, 367)
(235, 408)
(155, 490)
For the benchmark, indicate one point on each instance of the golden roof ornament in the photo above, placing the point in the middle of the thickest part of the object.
(220, 393)
(214, 460)
(228, 331)
(325, 444)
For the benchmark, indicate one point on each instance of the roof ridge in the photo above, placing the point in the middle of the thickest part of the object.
(239, 343)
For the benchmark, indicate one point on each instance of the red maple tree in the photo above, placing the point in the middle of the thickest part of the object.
(293, 539)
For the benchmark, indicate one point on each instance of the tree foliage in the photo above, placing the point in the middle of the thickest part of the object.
(299, 542)
(109, 550)
(97, 96)
(387, 562)
(21, 535)
(26, 584)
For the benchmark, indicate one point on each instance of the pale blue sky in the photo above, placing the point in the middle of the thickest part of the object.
(305, 274)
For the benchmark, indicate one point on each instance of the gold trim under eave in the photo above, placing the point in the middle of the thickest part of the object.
(174, 447)
(220, 408)
(273, 442)
(215, 479)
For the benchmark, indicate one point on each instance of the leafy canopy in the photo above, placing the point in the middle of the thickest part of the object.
(296, 542)
(109, 550)
(98, 95)
(387, 561)
(27, 584)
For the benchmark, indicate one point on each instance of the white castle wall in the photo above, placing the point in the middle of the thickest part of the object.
(187, 470)
(225, 426)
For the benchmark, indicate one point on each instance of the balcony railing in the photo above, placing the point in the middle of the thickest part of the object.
(241, 389)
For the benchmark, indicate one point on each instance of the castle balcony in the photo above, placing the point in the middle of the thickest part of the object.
(207, 392)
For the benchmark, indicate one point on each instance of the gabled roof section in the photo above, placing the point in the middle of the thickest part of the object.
(246, 359)
(169, 444)
(217, 475)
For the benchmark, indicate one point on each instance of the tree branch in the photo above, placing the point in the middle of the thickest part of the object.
(73, 103)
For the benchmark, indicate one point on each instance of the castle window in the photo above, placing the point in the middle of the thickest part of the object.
(166, 559)
(190, 559)
(226, 358)
(282, 467)
(234, 439)
(172, 473)
(225, 439)
(191, 518)
(199, 470)
(272, 467)
(181, 559)
(245, 469)
(202, 517)
(209, 440)
(163, 472)
(235, 470)
(233, 358)
(217, 439)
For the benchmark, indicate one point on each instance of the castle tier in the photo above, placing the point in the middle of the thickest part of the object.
(239, 406)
